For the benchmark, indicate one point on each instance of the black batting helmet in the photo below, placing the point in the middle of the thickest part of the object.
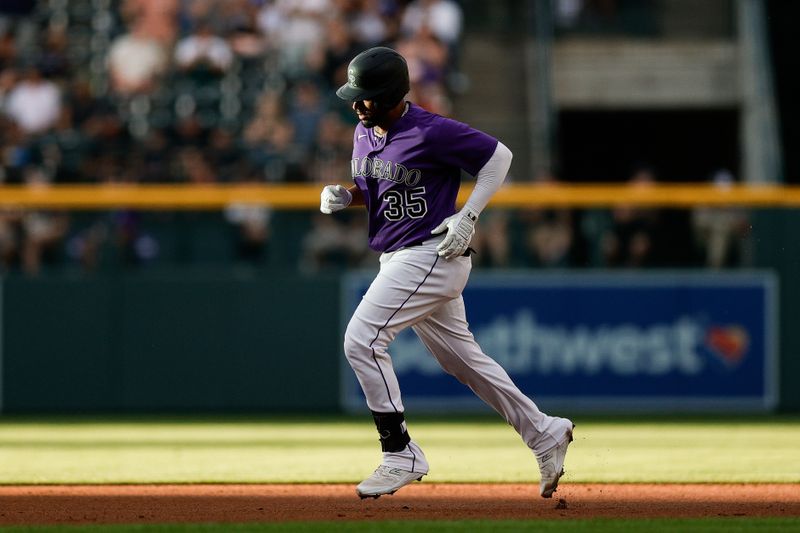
(379, 74)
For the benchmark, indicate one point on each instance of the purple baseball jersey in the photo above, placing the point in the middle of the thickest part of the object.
(410, 177)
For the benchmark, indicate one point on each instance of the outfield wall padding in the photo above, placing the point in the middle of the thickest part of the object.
(227, 342)
(170, 343)
(776, 240)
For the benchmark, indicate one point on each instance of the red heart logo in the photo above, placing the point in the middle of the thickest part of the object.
(729, 343)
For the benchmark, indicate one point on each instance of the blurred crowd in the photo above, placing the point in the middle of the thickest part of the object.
(622, 237)
(205, 91)
(193, 91)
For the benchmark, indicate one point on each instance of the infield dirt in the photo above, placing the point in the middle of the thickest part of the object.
(95, 504)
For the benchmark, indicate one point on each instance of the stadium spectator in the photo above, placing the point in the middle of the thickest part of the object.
(8, 79)
(547, 235)
(262, 117)
(331, 150)
(294, 28)
(722, 233)
(203, 52)
(492, 242)
(18, 151)
(135, 61)
(81, 103)
(427, 61)
(156, 157)
(252, 227)
(133, 244)
(237, 22)
(34, 103)
(252, 235)
(8, 238)
(335, 243)
(193, 166)
(152, 19)
(438, 22)
(224, 155)
(54, 62)
(331, 61)
(305, 110)
(372, 22)
(84, 247)
(41, 232)
(233, 15)
(630, 240)
(282, 158)
(188, 131)
(8, 50)
(443, 18)
(108, 144)
(269, 142)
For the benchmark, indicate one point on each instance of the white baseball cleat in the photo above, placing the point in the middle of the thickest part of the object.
(386, 480)
(551, 465)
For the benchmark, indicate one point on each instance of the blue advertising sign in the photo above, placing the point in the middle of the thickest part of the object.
(627, 341)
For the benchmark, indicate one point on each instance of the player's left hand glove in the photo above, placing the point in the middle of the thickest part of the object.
(334, 198)
(460, 229)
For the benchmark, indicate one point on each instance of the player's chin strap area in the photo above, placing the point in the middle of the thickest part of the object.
(392, 431)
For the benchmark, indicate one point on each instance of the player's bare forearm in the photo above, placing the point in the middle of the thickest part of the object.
(358, 196)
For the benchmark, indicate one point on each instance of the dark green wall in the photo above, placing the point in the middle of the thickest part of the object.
(776, 236)
(199, 342)
(203, 342)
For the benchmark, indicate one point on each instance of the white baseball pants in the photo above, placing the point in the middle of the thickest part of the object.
(415, 287)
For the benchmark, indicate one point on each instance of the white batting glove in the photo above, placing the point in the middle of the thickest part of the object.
(334, 198)
(460, 229)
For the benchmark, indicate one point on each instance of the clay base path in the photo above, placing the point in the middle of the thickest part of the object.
(83, 504)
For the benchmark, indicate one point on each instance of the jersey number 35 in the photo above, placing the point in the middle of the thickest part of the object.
(406, 203)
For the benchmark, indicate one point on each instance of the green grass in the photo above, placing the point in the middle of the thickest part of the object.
(720, 525)
(343, 449)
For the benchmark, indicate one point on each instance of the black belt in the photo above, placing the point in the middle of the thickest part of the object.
(469, 251)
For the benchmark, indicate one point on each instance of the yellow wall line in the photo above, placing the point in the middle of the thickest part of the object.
(306, 196)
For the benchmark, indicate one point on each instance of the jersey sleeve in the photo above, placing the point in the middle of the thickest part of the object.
(462, 146)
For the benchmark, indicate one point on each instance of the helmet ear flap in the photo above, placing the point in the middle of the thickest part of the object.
(395, 96)
(386, 105)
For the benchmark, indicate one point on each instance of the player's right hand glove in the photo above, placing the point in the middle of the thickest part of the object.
(334, 198)
(460, 229)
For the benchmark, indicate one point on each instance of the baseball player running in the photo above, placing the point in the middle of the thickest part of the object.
(406, 167)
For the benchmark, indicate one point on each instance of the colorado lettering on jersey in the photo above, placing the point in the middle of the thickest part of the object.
(368, 167)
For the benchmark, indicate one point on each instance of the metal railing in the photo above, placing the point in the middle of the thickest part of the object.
(306, 196)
